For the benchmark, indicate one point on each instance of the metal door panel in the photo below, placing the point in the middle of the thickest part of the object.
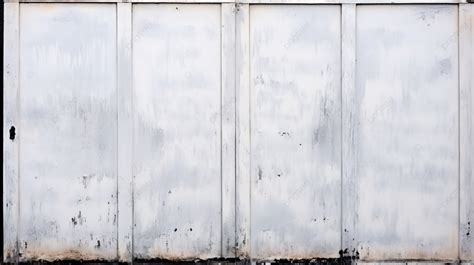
(295, 131)
(407, 132)
(68, 128)
(177, 166)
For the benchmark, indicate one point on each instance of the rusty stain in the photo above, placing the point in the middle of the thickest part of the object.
(49, 255)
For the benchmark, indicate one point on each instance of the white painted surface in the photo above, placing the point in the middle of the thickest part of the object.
(242, 152)
(253, 1)
(124, 132)
(466, 79)
(406, 129)
(295, 131)
(10, 119)
(244, 124)
(349, 104)
(177, 140)
(228, 100)
(68, 121)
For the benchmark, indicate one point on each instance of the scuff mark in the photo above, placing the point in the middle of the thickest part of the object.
(78, 220)
(445, 66)
(259, 80)
(85, 180)
(316, 136)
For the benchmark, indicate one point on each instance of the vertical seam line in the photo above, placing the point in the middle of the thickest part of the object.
(234, 63)
(341, 34)
(118, 105)
(249, 43)
(132, 118)
(221, 26)
(18, 109)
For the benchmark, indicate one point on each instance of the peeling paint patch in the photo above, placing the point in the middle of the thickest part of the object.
(12, 133)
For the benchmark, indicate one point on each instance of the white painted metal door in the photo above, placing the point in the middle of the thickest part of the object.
(67, 107)
(177, 131)
(295, 73)
(406, 94)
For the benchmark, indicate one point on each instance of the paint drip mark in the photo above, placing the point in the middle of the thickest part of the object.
(77, 220)
(468, 229)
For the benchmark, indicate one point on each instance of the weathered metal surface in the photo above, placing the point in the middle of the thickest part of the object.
(408, 263)
(348, 181)
(10, 132)
(172, 132)
(177, 139)
(124, 133)
(466, 79)
(228, 132)
(406, 132)
(295, 131)
(68, 130)
(253, 1)
(242, 152)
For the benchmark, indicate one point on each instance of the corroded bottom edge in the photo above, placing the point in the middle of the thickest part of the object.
(240, 261)
(216, 261)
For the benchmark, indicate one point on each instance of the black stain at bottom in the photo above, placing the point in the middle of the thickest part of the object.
(343, 260)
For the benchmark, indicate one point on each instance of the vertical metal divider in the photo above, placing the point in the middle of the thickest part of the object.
(125, 133)
(348, 108)
(243, 192)
(466, 132)
(228, 130)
